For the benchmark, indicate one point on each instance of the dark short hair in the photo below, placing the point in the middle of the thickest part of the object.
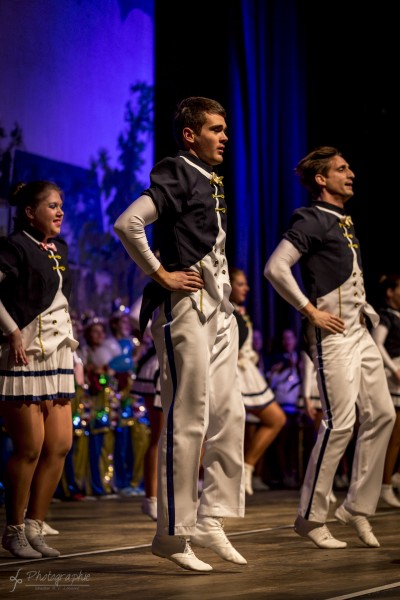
(191, 112)
(316, 162)
(91, 323)
(234, 272)
(388, 282)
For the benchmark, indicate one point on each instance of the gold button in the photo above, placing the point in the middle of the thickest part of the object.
(54, 322)
(55, 333)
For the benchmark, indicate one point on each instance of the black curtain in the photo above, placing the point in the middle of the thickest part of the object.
(267, 96)
(293, 74)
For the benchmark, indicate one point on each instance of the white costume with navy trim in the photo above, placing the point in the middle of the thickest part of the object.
(349, 365)
(196, 337)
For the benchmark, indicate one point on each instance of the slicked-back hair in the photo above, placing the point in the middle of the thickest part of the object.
(316, 162)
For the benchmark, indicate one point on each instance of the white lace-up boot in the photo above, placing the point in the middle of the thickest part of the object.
(177, 548)
(318, 534)
(49, 530)
(14, 540)
(360, 524)
(248, 478)
(34, 535)
(389, 497)
(396, 481)
(210, 534)
(149, 507)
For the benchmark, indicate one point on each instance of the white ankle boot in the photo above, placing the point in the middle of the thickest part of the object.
(149, 507)
(48, 529)
(14, 540)
(360, 524)
(248, 478)
(177, 548)
(34, 535)
(319, 535)
(396, 480)
(389, 497)
(210, 534)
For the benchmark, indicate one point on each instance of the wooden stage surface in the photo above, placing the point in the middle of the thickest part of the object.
(105, 546)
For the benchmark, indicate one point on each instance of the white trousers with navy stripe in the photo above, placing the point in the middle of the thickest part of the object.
(350, 375)
(201, 401)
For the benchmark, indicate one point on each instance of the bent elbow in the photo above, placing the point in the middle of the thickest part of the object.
(269, 271)
(118, 227)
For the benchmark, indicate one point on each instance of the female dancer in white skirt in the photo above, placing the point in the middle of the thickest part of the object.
(36, 363)
(147, 385)
(387, 338)
(257, 396)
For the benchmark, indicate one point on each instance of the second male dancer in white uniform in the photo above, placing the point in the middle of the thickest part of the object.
(348, 362)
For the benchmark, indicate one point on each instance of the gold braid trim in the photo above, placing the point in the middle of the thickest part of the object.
(40, 335)
(201, 289)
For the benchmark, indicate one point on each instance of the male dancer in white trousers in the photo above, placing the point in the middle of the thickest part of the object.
(348, 362)
(196, 338)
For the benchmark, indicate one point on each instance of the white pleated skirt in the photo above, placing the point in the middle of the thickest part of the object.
(147, 381)
(394, 386)
(41, 379)
(256, 392)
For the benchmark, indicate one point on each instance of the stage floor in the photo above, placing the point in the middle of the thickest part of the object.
(105, 546)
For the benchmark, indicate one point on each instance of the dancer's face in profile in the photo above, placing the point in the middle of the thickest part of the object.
(47, 215)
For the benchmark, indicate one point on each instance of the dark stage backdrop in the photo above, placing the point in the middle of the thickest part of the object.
(76, 102)
(293, 75)
(353, 103)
